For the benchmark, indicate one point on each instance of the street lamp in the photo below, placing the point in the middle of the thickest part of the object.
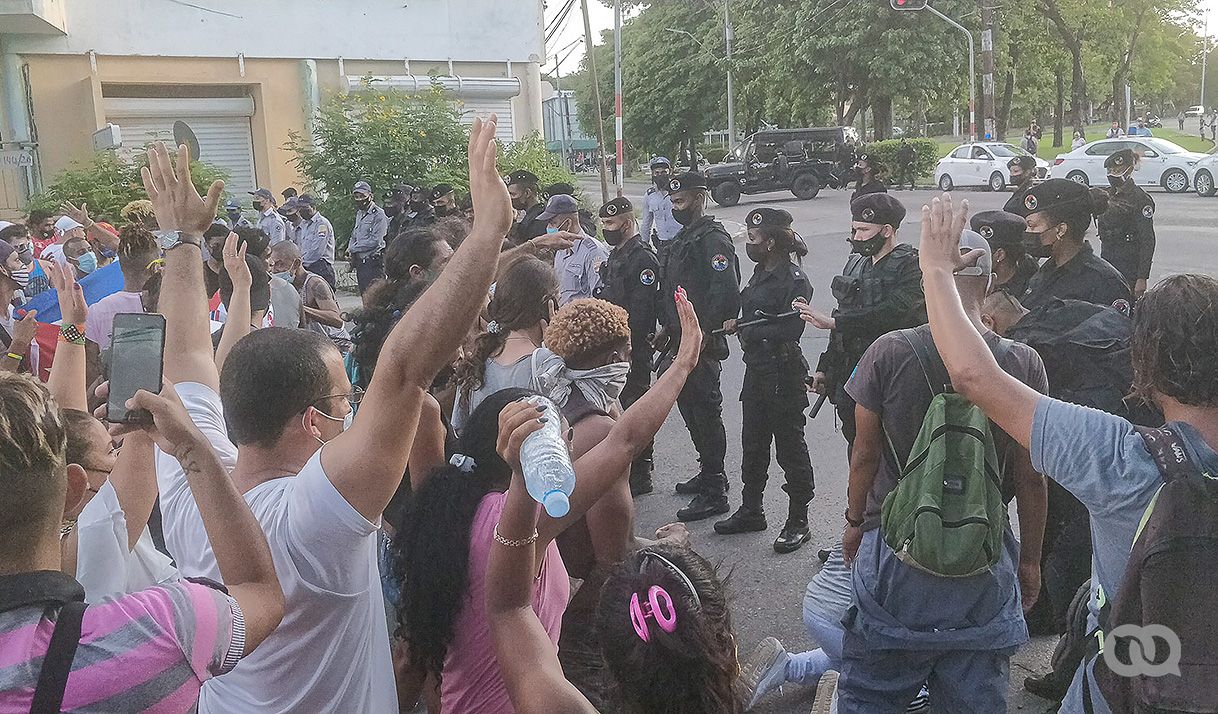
(731, 94)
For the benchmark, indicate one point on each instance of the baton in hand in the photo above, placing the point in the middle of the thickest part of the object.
(761, 319)
(816, 407)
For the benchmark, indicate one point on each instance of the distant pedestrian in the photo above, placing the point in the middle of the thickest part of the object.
(905, 165)
(1180, 120)
(1078, 141)
(1115, 131)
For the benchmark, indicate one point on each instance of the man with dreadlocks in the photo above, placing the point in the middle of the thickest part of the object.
(138, 259)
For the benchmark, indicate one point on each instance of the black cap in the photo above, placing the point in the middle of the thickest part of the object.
(688, 181)
(878, 208)
(616, 207)
(1053, 193)
(1000, 228)
(560, 189)
(1121, 160)
(775, 217)
(440, 190)
(1027, 163)
(305, 199)
(522, 176)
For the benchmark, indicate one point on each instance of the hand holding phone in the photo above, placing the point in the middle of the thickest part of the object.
(137, 360)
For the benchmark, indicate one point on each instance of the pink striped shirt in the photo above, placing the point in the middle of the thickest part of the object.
(148, 651)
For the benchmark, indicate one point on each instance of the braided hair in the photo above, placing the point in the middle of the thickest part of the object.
(137, 248)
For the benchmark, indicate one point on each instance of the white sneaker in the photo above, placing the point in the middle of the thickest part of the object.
(765, 671)
(825, 701)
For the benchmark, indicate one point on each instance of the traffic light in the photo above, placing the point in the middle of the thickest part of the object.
(908, 4)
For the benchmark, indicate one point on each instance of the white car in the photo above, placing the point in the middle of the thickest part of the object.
(982, 164)
(1205, 180)
(1163, 163)
(1194, 111)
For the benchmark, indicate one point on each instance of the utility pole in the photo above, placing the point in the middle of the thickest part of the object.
(617, 92)
(972, 75)
(728, 36)
(987, 69)
(596, 99)
(1205, 52)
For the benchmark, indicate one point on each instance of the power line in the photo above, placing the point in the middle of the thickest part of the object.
(560, 21)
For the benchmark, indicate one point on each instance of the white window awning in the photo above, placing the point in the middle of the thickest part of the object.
(462, 87)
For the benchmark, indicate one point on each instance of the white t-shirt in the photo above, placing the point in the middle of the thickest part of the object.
(105, 566)
(54, 252)
(331, 652)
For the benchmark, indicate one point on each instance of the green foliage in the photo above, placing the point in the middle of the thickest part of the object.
(107, 182)
(926, 155)
(530, 153)
(385, 137)
(715, 155)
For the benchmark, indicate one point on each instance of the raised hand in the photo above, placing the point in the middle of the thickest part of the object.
(80, 215)
(72, 305)
(25, 329)
(234, 263)
(177, 204)
(691, 332)
(942, 225)
(492, 203)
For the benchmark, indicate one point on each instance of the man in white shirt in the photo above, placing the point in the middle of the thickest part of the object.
(66, 228)
(316, 488)
(578, 267)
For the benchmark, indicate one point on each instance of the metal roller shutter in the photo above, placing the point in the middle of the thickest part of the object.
(222, 127)
(504, 130)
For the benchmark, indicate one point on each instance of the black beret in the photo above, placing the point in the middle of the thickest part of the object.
(1027, 163)
(878, 208)
(522, 176)
(560, 189)
(1054, 193)
(776, 217)
(1121, 159)
(616, 207)
(440, 191)
(999, 228)
(688, 181)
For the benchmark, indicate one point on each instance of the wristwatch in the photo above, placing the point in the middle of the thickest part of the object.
(853, 523)
(168, 240)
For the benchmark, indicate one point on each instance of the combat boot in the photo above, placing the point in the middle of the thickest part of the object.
(691, 487)
(746, 519)
(640, 476)
(710, 502)
(795, 533)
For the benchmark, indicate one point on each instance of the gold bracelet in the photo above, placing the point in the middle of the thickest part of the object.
(515, 543)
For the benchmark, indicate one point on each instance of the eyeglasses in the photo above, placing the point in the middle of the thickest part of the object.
(354, 397)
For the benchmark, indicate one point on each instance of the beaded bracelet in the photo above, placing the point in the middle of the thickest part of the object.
(515, 543)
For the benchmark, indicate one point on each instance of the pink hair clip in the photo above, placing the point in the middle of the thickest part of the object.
(639, 612)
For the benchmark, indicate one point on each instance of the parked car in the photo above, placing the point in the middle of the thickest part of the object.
(1194, 111)
(797, 160)
(982, 164)
(1163, 163)
(1206, 176)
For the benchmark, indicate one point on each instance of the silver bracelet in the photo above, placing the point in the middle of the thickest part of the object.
(515, 543)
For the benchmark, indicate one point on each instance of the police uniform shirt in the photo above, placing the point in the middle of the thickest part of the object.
(703, 260)
(368, 235)
(1127, 231)
(657, 216)
(315, 238)
(578, 269)
(872, 186)
(772, 292)
(1086, 276)
(273, 225)
(630, 279)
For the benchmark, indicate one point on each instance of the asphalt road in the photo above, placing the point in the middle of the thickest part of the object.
(767, 588)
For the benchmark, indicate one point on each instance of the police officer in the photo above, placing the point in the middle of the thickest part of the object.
(775, 394)
(443, 200)
(524, 188)
(1012, 265)
(315, 237)
(879, 291)
(366, 247)
(905, 164)
(269, 220)
(630, 279)
(659, 227)
(703, 260)
(396, 205)
(1127, 228)
(868, 169)
(1059, 213)
(1023, 172)
(418, 209)
(232, 211)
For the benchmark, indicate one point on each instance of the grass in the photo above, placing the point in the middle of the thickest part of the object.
(1048, 152)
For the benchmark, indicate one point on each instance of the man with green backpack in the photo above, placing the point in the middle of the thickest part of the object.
(936, 571)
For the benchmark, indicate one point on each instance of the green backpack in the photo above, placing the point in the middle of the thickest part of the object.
(946, 516)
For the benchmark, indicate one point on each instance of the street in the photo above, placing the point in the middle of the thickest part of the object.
(768, 588)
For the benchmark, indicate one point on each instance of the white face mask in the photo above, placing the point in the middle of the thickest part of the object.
(346, 420)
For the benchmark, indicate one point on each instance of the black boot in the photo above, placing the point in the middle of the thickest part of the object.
(1049, 686)
(710, 502)
(794, 534)
(640, 476)
(746, 519)
(690, 487)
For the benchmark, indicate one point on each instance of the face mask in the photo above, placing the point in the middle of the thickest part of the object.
(392, 210)
(612, 237)
(684, 216)
(418, 206)
(661, 182)
(871, 246)
(26, 254)
(259, 206)
(1116, 181)
(551, 229)
(363, 203)
(21, 277)
(442, 210)
(305, 213)
(285, 275)
(1033, 246)
(346, 420)
(520, 204)
(47, 234)
(87, 262)
(755, 252)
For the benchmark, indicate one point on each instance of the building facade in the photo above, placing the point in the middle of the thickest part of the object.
(242, 76)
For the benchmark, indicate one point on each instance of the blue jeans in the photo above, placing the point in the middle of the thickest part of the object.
(825, 602)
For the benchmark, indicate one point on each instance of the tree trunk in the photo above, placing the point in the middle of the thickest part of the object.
(881, 116)
(1004, 110)
(1059, 118)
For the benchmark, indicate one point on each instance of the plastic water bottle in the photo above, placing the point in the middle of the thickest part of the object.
(546, 463)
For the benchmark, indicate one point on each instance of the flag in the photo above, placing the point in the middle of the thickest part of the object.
(96, 285)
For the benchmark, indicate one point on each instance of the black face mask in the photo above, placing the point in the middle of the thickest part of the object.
(392, 209)
(1116, 181)
(613, 237)
(1033, 247)
(684, 216)
(871, 246)
(305, 213)
(755, 252)
(419, 206)
(661, 182)
(521, 204)
(363, 203)
(442, 210)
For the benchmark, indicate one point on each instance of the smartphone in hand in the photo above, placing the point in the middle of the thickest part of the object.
(137, 361)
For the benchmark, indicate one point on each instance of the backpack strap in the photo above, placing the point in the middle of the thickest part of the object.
(932, 365)
(57, 664)
(1167, 449)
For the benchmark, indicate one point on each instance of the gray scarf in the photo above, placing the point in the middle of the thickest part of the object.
(600, 386)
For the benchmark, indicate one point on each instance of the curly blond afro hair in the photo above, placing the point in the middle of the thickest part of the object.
(585, 327)
(137, 210)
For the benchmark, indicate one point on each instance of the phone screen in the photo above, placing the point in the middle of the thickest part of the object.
(137, 352)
